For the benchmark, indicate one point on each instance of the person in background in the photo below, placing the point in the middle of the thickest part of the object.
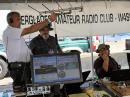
(104, 64)
(17, 51)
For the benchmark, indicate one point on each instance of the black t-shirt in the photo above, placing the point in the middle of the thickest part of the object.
(39, 45)
(98, 65)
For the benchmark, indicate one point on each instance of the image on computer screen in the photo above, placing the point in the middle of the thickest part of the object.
(54, 69)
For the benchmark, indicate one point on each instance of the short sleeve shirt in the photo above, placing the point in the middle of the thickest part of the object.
(16, 48)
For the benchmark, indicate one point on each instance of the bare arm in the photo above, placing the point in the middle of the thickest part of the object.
(38, 26)
(34, 27)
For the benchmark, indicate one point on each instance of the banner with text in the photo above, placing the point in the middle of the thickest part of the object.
(95, 20)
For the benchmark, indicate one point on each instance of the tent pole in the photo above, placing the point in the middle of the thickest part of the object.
(103, 39)
(91, 50)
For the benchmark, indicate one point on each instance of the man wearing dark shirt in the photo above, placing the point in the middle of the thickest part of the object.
(44, 43)
(105, 63)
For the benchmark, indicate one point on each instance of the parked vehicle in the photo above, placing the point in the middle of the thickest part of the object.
(3, 61)
(74, 44)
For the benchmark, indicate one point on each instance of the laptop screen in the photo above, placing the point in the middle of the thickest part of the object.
(120, 75)
(55, 69)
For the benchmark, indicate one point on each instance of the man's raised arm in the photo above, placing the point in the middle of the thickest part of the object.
(38, 26)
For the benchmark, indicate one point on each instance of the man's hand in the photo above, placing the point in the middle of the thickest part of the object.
(53, 17)
(106, 62)
(105, 57)
(40, 25)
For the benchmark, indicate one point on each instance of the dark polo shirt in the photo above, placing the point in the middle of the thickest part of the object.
(98, 65)
(39, 45)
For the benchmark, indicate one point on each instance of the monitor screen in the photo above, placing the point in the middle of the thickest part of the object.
(56, 69)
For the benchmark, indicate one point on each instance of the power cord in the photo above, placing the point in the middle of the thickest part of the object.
(64, 88)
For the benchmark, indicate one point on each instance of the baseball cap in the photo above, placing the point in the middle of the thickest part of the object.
(102, 47)
(48, 26)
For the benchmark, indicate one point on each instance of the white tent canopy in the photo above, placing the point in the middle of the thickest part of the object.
(96, 18)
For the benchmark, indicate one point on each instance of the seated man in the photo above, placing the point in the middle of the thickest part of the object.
(105, 63)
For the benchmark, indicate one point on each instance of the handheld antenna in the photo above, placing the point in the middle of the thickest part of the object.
(69, 12)
(34, 9)
(56, 40)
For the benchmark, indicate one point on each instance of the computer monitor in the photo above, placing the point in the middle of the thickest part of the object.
(120, 75)
(56, 69)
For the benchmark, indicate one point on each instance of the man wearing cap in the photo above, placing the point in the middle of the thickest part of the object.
(46, 44)
(105, 63)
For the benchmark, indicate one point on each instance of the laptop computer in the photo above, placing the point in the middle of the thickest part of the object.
(120, 75)
(75, 87)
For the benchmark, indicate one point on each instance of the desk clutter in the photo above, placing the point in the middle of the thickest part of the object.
(37, 90)
(91, 88)
(124, 91)
(120, 88)
(94, 89)
(6, 88)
